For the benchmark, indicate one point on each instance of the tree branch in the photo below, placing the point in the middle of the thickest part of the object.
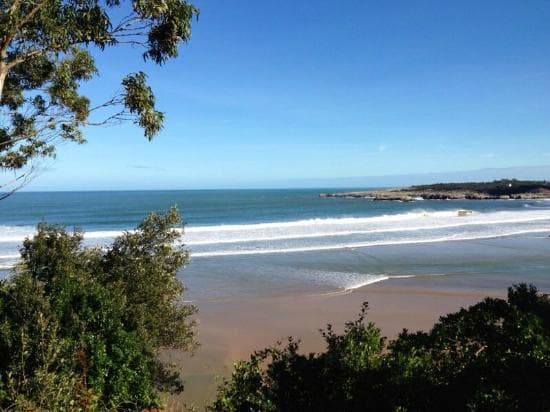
(20, 181)
(17, 26)
(23, 57)
(30, 14)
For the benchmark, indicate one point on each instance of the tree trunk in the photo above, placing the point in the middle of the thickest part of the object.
(3, 74)
(3, 70)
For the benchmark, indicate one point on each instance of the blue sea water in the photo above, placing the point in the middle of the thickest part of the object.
(254, 242)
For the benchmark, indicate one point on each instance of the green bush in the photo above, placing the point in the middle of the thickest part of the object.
(80, 328)
(492, 356)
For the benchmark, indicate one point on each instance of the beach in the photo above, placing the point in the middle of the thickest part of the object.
(231, 330)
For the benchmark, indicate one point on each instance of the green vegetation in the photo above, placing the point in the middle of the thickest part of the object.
(501, 187)
(80, 328)
(45, 56)
(492, 356)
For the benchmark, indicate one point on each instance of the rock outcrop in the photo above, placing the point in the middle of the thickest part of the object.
(501, 189)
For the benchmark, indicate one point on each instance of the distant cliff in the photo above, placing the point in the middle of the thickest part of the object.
(498, 189)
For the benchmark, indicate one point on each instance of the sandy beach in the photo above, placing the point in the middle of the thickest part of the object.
(256, 309)
(231, 330)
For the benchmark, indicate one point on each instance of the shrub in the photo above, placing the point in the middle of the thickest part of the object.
(80, 328)
(494, 355)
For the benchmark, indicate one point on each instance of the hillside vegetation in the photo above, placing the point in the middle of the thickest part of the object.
(495, 188)
(493, 356)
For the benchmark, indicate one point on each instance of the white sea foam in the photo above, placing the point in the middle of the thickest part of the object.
(15, 233)
(350, 281)
(318, 222)
(246, 236)
(19, 233)
(365, 280)
(103, 234)
(9, 256)
(418, 220)
(418, 226)
(342, 246)
(368, 280)
(339, 227)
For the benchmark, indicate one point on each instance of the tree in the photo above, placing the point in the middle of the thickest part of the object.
(494, 355)
(45, 55)
(80, 329)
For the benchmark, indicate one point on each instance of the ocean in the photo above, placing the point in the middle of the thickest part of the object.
(268, 242)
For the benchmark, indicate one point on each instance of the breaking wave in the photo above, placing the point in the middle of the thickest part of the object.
(326, 234)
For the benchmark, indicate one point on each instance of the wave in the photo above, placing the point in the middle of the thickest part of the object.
(380, 278)
(420, 220)
(356, 232)
(318, 227)
(364, 282)
(18, 234)
(349, 281)
(360, 244)
(418, 226)
(322, 222)
(10, 256)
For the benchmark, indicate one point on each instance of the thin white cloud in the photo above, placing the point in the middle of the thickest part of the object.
(145, 167)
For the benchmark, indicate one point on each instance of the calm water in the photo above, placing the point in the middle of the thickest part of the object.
(254, 242)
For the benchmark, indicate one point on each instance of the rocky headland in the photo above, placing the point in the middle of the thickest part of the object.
(498, 189)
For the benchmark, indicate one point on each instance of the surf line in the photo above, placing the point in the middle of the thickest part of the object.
(352, 246)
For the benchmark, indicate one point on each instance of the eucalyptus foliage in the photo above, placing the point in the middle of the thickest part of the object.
(80, 329)
(493, 356)
(45, 55)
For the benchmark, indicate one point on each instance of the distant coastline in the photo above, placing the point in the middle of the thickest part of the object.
(498, 189)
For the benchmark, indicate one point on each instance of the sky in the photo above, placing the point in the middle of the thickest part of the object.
(270, 94)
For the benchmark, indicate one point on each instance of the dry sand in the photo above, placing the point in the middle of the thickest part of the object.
(231, 330)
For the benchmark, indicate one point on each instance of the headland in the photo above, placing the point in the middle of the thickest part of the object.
(498, 189)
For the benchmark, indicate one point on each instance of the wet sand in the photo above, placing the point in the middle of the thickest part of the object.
(231, 330)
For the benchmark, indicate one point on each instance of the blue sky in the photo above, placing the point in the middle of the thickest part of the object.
(272, 93)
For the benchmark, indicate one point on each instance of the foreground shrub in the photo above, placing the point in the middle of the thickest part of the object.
(80, 328)
(494, 355)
